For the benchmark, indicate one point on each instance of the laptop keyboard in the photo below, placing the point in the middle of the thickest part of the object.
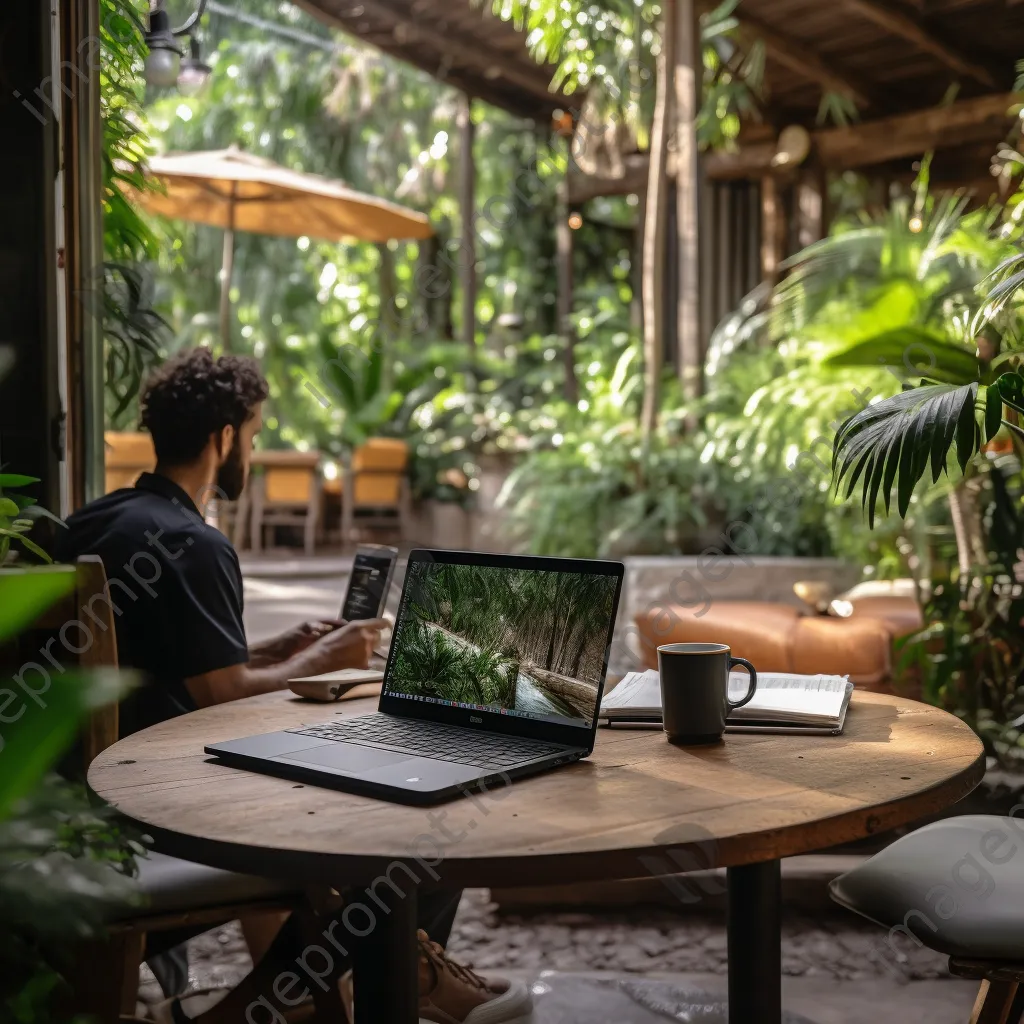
(429, 739)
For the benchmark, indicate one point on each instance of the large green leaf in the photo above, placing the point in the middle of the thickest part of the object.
(910, 350)
(1011, 389)
(892, 442)
(48, 714)
(25, 595)
(42, 708)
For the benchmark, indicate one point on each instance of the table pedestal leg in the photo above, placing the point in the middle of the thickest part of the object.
(755, 944)
(385, 964)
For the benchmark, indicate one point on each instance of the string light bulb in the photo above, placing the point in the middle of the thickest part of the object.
(164, 61)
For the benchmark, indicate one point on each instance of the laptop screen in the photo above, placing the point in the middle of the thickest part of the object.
(524, 642)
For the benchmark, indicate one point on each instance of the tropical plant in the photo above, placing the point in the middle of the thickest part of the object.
(970, 656)
(135, 335)
(900, 294)
(63, 863)
(926, 295)
(768, 422)
(588, 485)
(598, 491)
(19, 513)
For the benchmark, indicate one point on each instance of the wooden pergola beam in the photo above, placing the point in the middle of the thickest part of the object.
(798, 57)
(904, 135)
(981, 120)
(909, 28)
(888, 138)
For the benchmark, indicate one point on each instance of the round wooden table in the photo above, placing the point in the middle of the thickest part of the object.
(638, 806)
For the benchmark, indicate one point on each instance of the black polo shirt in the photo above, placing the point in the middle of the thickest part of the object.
(175, 587)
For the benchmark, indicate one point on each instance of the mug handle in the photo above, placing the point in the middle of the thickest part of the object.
(734, 704)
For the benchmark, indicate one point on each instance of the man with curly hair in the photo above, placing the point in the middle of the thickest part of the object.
(175, 582)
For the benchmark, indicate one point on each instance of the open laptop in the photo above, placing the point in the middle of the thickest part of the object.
(495, 671)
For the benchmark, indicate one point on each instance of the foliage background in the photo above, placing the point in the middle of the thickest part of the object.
(329, 106)
(324, 104)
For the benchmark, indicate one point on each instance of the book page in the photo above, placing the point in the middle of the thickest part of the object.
(785, 681)
(782, 697)
(635, 690)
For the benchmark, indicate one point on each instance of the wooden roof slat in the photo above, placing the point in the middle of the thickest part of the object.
(475, 53)
(892, 20)
(801, 58)
(453, 41)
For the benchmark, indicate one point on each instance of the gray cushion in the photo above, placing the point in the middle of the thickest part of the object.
(956, 885)
(170, 886)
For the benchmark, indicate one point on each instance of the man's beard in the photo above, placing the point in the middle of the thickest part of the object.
(231, 476)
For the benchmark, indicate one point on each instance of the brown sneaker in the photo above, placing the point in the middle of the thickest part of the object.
(453, 994)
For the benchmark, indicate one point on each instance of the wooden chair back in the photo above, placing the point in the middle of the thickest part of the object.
(87, 605)
(289, 477)
(377, 472)
(285, 493)
(128, 456)
(285, 485)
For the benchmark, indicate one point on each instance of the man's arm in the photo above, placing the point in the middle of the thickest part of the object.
(291, 642)
(347, 647)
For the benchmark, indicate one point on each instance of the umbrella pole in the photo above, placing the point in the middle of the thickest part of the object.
(227, 272)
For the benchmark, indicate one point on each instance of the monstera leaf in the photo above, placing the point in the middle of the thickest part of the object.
(894, 442)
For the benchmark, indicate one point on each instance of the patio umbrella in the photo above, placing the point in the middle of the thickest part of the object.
(238, 192)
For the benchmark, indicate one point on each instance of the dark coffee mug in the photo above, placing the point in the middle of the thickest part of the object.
(695, 690)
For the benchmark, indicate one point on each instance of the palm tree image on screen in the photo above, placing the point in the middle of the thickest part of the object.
(525, 640)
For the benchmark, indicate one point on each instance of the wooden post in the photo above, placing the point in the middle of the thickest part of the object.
(811, 201)
(654, 230)
(388, 291)
(687, 78)
(227, 272)
(427, 262)
(81, 147)
(773, 228)
(445, 287)
(564, 249)
(467, 211)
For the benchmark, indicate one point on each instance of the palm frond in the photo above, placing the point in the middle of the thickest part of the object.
(1006, 281)
(894, 441)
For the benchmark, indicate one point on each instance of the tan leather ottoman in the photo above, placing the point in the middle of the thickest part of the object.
(779, 638)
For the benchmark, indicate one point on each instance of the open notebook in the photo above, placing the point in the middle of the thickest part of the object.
(813, 705)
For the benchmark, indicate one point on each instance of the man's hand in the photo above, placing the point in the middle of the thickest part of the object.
(309, 632)
(291, 642)
(349, 646)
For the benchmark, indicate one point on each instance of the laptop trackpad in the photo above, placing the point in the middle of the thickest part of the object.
(346, 757)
